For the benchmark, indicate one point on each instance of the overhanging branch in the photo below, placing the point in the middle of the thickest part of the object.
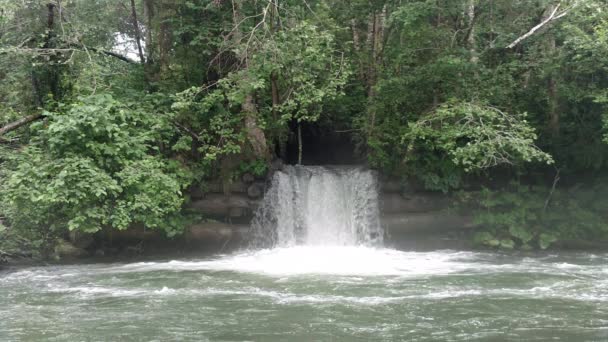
(552, 17)
(73, 47)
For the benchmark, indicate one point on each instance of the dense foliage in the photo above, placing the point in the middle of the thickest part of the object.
(529, 217)
(111, 109)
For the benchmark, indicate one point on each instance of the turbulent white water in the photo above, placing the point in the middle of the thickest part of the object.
(319, 206)
(314, 293)
(324, 260)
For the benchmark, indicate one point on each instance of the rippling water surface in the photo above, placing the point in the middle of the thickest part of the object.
(314, 293)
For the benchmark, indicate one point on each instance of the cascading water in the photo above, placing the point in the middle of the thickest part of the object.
(319, 206)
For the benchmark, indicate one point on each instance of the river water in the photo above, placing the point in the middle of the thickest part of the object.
(316, 271)
(314, 294)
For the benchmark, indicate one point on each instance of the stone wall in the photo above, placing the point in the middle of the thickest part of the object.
(409, 216)
(402, 212)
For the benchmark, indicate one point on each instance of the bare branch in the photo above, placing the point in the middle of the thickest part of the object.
(187, 130)
(61, 50)
(555, 180)
(552, 17)
(21, 122)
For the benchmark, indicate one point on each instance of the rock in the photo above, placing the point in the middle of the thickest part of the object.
(196, 193)
(213, 231)
(429, 222)
(3, 260)
(200, 233)
(255, 190)
(391, 203)
(390, 186)
(237, 212)
(134, 249)
(213, 186)
(100, 253)
(237, 187)
(65, 249)
(275, 165)
(110, 251)
(248, 178)
(225, 233)
(135, 233)
(218, 204)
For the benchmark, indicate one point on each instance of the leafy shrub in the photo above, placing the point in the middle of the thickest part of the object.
(463, 137)
(529, 217)
(93, 164)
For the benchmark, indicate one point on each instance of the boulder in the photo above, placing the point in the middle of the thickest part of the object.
(275, 165)
(255, 190)
(247, 178)
(66, 250)
(429, 222)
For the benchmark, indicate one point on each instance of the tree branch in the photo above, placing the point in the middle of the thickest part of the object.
(72, 48)
(553, 16)
(113, 54)
(555, 180)
(187, 130)
(137, 32)
(21, 122)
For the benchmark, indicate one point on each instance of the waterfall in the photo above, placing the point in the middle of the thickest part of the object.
(319, 206)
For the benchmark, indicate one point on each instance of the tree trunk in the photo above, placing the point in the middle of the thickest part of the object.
(276, 101)
(165, 37)
(471, 41)
(357, 47)
(150, 71)
(137, 32)
(553, 124)
(375, 39)
(149, 14)
(49, 43)
(371, 45)
(255, 135)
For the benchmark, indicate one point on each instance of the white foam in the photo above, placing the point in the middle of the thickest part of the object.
(322, 260)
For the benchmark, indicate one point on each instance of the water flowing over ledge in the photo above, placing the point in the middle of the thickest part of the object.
(319, 206)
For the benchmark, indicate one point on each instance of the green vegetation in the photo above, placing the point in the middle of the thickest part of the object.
(530, 217)
(110, 110)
